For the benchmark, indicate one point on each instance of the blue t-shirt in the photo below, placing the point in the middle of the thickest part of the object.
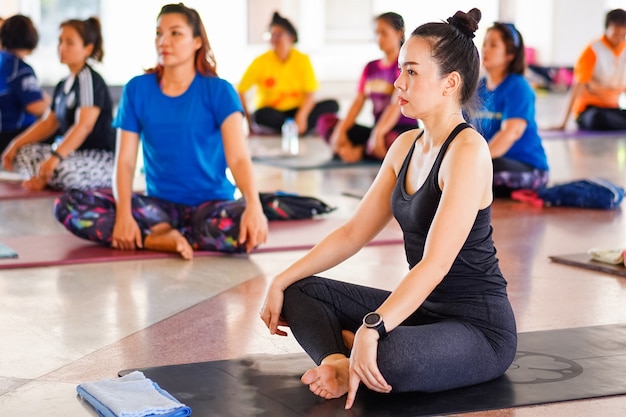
(181, 136)
(18, 88)
(513, 98)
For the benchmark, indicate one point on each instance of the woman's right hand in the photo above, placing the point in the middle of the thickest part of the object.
(8, 156)
(272, 309)
(126, 234)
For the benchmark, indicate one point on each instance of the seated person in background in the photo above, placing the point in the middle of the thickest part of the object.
(507, 118)
(190, 124)
(78, 126)
(352, 142)
(22, 100)
(600, 79)
(285, 84)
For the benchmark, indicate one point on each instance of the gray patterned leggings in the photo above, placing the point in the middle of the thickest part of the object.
(83, 170)
(443, 345)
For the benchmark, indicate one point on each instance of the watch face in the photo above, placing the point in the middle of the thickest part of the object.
(372, 319)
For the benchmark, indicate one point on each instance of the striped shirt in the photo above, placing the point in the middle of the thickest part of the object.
(85, 89)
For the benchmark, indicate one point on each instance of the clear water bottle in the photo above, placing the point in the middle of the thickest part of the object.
(290, 142)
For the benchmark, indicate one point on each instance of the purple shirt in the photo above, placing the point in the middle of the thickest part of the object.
(377, 84)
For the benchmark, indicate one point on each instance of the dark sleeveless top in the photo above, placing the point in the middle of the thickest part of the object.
(475, 269)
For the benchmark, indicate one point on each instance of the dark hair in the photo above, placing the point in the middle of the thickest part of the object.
(616, 16)
(452, 47)
(278, 20)
(90, 32)
(19, 32)
(514, 45)
(205, 60)
(395, 21)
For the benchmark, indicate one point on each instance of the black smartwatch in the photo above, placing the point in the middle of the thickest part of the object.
(374, 321)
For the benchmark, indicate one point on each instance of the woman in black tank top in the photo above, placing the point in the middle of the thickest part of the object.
(449, 322)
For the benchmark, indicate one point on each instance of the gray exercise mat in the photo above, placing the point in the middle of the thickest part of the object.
(302, 163)
(550, 366)
(583, 260)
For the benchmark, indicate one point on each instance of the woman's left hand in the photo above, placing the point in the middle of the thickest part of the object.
(46, 169)
(253, 228)
(363, 366)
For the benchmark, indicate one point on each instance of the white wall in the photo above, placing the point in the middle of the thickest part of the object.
(128, 29)
(559, 29)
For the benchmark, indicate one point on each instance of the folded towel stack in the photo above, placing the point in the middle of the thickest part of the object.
(609, 256)
(132, 395)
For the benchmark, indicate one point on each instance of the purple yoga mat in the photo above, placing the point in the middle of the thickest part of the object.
(581, 134)
(67, 249)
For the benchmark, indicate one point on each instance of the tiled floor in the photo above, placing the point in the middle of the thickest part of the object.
(60, 326)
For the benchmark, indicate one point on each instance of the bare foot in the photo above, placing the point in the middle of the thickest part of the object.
(330, 379)
(34, 184)
(169, 241)
(351, 153)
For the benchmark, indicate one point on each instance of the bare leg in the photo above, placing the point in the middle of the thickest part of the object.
(330, 379)
(348, 338)
(167, 239)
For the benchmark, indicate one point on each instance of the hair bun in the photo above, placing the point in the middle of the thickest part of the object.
(467, 23)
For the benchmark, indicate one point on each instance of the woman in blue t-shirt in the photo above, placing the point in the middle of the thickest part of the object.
(190, 124)
(22, 100)
(507, 119)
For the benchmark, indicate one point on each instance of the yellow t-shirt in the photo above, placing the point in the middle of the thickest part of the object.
(604, 66)
(280, 85)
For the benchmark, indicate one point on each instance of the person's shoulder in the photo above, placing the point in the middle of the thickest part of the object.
(142, 79)
(10, 65)
(214, 81)
(373, 65)
(517, 82)
(7, 58)
(300, 55)
(468, 141)
(95, 75)
(264, 57)
(400, 148)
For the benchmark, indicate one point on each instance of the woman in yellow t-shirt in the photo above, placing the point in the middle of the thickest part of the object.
(285, 84)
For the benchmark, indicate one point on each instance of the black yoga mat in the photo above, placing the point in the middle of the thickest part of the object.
(550, 366)
(582, 260)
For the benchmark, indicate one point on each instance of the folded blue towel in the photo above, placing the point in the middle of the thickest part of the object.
(132, 395)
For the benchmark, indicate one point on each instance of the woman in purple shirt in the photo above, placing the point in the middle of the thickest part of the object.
(353, 142)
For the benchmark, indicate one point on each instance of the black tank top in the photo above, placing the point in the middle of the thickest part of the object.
(475, 269)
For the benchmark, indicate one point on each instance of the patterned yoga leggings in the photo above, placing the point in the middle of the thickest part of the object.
(82, 170)
(211, 226)
(510, 175)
